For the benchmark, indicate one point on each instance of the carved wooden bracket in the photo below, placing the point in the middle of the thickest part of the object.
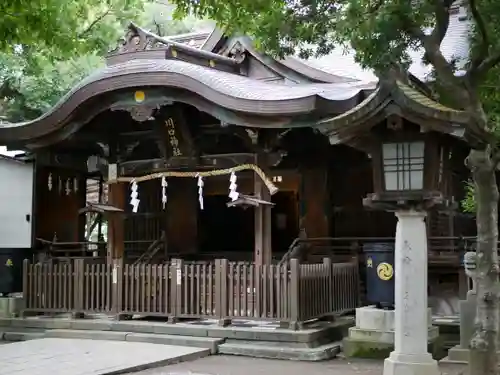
(139, 112)
(137, 40)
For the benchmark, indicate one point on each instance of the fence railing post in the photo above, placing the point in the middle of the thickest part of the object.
(295, 295)
(78, 284)
(327, 263)
(221, 292)
(176, 268)
(117, 286)
(26, 291)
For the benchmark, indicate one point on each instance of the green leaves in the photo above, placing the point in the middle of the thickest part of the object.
(378, 30)
(64, 27)
(38, 65)
(469, 203)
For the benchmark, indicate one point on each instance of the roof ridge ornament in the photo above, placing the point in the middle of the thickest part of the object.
(137, 39)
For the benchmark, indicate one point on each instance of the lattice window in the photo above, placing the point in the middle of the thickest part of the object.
(403, 165)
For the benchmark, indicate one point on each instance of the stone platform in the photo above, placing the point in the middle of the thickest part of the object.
(82, 357)
(373, 335)
(318, 341)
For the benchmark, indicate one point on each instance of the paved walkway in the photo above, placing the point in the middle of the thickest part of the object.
(232, 365)
(53, 356)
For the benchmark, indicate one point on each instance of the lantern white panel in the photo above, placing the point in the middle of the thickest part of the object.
(403, 165)
(16, 197)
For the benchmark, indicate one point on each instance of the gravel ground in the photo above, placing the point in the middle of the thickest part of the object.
(233, 365)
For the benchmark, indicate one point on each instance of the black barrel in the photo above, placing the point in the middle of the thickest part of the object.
(11, 270)
(380, 273)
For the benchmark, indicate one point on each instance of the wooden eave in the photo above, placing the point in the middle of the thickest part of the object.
(228, 97)
(395, 98)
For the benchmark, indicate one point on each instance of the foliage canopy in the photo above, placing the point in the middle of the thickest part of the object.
(52, 48)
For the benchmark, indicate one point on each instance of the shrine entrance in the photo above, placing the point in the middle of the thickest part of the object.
(285, 220)
(226, 232)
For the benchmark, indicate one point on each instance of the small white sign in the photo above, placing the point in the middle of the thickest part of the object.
(112, 172)
(115, 275)
(179, 277)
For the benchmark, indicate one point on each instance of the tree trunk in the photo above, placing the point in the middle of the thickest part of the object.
(483, 346)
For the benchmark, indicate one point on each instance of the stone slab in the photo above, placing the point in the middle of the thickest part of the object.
(383, 336)
(459, 355)
(319, 353)
(175, 340)
(380, 350)
(51, 356)
(334, 330)
(373, 318)
(190, 341)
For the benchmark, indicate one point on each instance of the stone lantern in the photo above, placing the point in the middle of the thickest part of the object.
(408, 164)
(407, 167)
(408, 136)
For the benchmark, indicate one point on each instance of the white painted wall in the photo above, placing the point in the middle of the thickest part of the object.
(16, 198)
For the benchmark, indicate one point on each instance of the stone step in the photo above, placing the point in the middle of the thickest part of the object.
(12, 334)
(318, 353)
(279, 344)
(175, 340)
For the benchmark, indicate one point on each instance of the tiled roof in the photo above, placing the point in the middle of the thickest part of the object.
(423, 100)
(210, 82)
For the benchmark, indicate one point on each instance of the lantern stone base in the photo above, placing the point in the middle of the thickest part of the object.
(373, 335)
(410, 364)
(11, 307)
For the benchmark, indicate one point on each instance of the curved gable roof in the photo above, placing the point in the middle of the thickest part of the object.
(225, 90)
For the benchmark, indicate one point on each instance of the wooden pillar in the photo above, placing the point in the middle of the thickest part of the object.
(116, 234)
(182, 216)
(314, 202)
(262, 247)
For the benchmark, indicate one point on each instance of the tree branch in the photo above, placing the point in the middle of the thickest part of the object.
(94, 23)
(488, 63)
(442, 13)
(432, 47)
(484, 45)
(443, 68)
(495, 159)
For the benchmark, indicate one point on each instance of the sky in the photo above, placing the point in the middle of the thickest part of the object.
(3, 151)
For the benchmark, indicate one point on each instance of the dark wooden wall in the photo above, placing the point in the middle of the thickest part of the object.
(55, 211)
(182, 215)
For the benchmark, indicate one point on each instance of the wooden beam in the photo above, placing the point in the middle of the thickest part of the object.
(214, 161)
(75, 161)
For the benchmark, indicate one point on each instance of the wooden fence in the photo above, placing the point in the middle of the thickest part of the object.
(291, 293)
